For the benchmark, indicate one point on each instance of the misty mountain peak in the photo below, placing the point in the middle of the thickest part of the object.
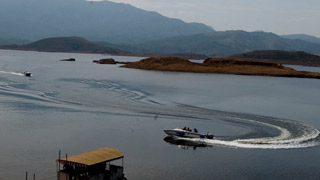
(99, 21)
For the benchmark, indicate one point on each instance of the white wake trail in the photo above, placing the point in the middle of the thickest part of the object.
(286, 140)
(13, 73)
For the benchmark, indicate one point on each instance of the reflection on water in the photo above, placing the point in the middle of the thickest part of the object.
(185, 144)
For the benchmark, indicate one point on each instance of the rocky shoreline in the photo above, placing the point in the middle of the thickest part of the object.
(220, 66)
(108, 61)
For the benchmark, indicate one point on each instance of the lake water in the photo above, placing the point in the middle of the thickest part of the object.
(265, 127)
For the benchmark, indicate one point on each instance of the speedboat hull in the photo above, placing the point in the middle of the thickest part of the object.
(184, 133)
(26, 73)
(185, 144)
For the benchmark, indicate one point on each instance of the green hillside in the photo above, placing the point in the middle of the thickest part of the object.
(68, 44)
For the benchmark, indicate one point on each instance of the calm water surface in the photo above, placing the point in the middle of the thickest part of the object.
(265, 127)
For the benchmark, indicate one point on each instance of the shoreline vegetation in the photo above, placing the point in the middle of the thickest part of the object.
(220, 66)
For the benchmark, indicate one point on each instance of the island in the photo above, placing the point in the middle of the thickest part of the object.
(108, 61)
(105, 61)
(220, 66)
(284, 57)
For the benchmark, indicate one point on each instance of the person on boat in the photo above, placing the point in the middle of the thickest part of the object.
(195, 130)
(185, 128)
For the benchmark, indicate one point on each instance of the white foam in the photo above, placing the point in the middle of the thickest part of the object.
(284, 141)
(13, 73)
(252, 144)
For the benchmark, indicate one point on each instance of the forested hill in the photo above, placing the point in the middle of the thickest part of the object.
(67, 44)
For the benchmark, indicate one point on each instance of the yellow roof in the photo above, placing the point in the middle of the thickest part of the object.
(93, 157)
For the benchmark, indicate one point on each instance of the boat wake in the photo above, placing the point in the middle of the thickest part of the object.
(253, 131)
(13, 73)
(18, 96)
(127, 93)
(260, 131)
(294, 135)
(256, 144)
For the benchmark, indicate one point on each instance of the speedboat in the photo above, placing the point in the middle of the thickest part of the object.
(26, 73)
(187, 133)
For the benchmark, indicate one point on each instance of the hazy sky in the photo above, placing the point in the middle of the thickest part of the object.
(278, 16)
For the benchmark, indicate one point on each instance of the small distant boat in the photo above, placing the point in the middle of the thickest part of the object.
(26, 73)
(69, 59)
(186, 132)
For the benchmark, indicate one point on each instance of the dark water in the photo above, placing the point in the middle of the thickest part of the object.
(265, 127)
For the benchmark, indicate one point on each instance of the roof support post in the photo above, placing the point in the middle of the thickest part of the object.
(59, 165)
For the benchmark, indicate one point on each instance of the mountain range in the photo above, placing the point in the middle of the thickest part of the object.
(98, 21)
(304, 37)
(123, 28)
(226, 43)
